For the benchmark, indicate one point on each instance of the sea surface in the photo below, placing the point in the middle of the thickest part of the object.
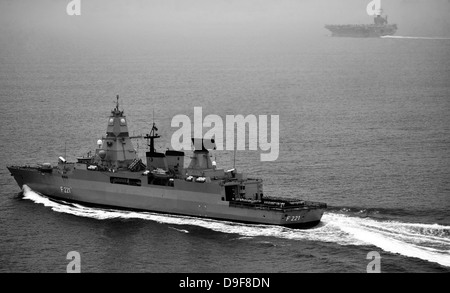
(364, 127)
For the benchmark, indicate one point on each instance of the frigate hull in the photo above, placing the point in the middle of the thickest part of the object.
(114, 176)
(206, 200)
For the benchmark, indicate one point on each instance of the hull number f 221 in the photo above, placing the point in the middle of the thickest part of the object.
(65, 189)
(293, 218)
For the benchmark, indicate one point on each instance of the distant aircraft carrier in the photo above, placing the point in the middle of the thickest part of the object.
(379, 28)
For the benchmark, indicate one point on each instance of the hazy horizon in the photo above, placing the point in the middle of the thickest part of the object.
(199, 22)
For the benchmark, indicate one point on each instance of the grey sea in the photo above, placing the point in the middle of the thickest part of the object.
(364, 127)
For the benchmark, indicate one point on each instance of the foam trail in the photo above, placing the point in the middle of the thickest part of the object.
(424, 241)
(415, 38)
(179, 230)
(406, 239)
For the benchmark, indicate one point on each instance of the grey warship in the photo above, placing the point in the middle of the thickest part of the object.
(379, 28)
(115, 177)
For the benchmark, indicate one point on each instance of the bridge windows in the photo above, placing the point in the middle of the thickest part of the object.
(125, 181)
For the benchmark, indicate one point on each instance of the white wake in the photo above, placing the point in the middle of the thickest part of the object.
(415, 38)
(424, 241)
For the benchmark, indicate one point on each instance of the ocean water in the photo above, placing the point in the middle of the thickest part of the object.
(364, 127)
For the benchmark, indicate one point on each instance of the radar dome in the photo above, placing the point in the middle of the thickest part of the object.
(102, 154)
(99, 142)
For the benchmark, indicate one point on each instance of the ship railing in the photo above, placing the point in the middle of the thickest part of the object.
(26, 167)
(276, 205)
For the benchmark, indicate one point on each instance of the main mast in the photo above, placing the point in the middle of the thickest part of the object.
(151, 137)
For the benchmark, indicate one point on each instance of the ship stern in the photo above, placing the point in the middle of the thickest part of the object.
(303, 218)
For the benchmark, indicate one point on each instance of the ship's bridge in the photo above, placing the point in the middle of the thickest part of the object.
(116, 149)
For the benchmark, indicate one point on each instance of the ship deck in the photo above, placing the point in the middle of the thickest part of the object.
(278, 204)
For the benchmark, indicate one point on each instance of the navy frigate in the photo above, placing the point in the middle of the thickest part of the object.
(114, 176)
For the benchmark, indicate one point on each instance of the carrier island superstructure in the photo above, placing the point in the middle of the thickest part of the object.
(115, 177)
